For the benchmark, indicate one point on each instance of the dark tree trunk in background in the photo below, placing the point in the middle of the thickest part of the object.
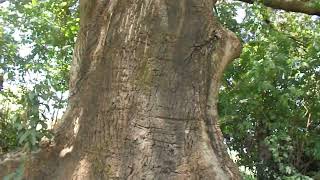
(143, 93)
(264, 155)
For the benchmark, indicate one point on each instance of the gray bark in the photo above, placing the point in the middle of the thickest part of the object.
(143, 93)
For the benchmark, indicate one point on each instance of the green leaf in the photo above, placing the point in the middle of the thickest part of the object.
(63, 4)
(24, 137)
(34, 2)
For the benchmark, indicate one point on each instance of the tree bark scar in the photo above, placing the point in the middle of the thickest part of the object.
(228, 48)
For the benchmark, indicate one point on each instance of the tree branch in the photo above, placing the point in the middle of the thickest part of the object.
(302, 6)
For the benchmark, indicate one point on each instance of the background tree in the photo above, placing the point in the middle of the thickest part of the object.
(269, 102)
(37, 42)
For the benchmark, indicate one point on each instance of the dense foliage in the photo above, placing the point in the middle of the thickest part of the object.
(36, 45)
(270, 98)
(269, 101)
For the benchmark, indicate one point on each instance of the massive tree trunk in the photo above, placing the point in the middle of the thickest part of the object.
(143, 93)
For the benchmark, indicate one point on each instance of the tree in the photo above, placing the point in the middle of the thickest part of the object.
(37, 40)
(269, 102)
(143, 91)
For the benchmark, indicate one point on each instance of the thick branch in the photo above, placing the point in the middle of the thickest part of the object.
(302, 6)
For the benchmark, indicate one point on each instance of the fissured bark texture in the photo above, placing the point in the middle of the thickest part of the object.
(143, 92)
